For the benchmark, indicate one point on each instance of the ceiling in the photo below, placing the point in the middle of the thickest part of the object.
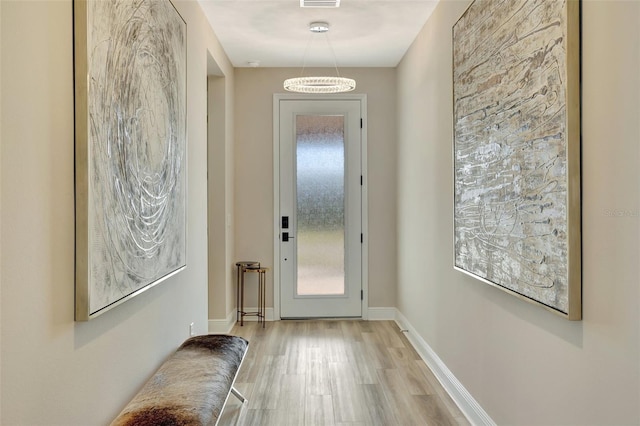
(275, 33)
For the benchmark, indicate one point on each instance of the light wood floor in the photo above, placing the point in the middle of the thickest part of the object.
(338, 372)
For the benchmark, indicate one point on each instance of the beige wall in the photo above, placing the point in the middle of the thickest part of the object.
(523, 364)
(220, 201)
(54, 370)
(217, 234)
(254, 170)
(220, 192)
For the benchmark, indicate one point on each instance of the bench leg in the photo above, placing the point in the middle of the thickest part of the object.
(238, 395)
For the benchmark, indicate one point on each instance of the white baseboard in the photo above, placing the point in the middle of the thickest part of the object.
(467, 404)
(382, 314)
(224, 326)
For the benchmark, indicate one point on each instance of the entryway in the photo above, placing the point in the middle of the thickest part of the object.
(318, 144)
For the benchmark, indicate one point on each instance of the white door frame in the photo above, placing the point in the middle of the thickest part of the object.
(277, 97)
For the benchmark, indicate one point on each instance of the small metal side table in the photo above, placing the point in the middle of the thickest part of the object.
(251, 266)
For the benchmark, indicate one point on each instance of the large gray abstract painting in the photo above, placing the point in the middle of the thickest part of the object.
(130, 59)
(517, 149)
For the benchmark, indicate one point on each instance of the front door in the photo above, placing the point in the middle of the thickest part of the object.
(320, 208)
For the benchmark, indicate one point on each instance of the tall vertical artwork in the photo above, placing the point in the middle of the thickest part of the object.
(516, 90)
(130, 82)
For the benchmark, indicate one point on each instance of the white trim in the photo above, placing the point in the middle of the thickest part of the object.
(277, 97)
(382, 314)
(467, 404)
(364, 221)
(276, 204)
(222, 326)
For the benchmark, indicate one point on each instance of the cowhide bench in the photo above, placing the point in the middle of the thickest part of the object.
(191, 387)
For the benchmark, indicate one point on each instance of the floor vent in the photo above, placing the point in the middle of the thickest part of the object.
(319, 3)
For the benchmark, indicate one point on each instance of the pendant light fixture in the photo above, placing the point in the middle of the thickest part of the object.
(316, 84)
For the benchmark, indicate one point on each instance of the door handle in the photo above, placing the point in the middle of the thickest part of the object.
(286, 237)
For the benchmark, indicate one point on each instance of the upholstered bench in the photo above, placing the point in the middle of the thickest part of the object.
(191, 387)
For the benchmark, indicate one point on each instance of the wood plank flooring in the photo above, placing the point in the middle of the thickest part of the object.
(335, 372)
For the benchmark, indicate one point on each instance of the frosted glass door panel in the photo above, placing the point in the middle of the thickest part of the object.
(320, 201)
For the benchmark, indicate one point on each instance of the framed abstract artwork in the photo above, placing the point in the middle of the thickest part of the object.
(516, 96)
(130, 144)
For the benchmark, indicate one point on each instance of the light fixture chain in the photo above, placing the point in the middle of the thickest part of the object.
(333, 54)
(304, 57)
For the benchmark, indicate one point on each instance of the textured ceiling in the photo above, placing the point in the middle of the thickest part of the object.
(363, 33)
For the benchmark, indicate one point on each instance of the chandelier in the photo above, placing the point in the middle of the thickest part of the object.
(335, 84)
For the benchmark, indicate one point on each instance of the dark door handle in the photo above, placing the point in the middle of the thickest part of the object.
(286, 237)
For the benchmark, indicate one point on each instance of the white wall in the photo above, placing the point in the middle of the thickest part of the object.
(54, 370)
(525, 365)
(254, 170)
